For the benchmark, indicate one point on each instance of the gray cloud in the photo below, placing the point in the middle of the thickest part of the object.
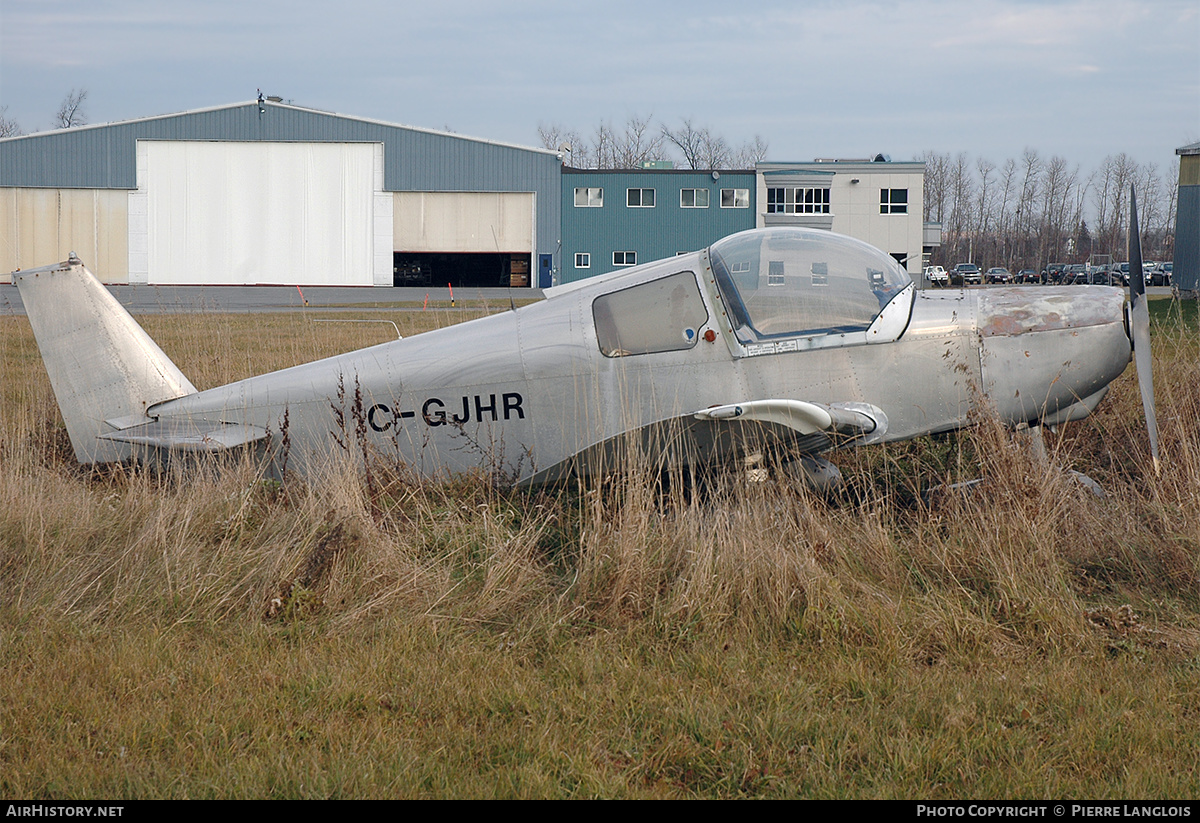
(1080, 79)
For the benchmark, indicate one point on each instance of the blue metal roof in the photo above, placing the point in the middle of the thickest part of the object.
(104, 156)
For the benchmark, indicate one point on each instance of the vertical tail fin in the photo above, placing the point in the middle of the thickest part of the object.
(104, 368)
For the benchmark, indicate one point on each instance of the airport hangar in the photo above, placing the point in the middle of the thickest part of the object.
(270, 193)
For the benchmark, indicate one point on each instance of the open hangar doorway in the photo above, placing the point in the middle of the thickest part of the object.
(488, 270)
(466, 239)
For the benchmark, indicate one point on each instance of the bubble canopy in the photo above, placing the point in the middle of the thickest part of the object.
(793, 282)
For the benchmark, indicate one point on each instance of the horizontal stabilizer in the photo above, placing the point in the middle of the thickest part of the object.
(188, 435)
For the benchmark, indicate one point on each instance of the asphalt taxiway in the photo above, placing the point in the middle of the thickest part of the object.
(252, 299)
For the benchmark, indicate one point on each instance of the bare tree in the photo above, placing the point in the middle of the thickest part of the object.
(689, 140)
(553, 136)
(1034, 211)
(638, 144)
(1112, 187)
(750, 153)
(608, 148)
(701, 148)
(8, 126)
(1149, 189)
(604, 146)
(641, 141)
(1004, 235)
(717, 154)
(936, 175)
(549, 134)
(1057, 218)
(1078, 224)
(984, 209)
(70, 111)
(1165, 249)
(1032, 168)
(1105, 200)
(961, 191)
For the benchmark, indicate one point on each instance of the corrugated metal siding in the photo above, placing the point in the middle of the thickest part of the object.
(654, 233)
(1186, 274)
(104, 157)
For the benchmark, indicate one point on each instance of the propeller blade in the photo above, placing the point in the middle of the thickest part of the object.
(1139, 323)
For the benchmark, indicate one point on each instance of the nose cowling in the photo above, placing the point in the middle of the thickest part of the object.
(1043, 351)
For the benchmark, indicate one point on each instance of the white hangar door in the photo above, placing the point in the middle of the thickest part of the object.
(257, 212)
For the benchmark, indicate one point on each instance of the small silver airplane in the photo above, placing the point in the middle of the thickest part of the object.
(777, 341)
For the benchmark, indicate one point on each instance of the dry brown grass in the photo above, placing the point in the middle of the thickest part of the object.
(216, 635)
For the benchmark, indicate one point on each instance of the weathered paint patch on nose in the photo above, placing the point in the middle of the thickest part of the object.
(1010, 312)
(1043, 350)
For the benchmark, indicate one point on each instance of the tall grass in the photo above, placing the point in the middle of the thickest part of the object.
(635, 635)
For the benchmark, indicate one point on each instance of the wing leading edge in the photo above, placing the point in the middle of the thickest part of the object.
(720, 433)
(860, 422)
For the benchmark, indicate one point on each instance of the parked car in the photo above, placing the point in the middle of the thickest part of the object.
(999, 274)
(965, 274)
(1029, 276)
(1121, 270)
(937, 276)
(1075, 273)
(1162, 273)
(1053, 273)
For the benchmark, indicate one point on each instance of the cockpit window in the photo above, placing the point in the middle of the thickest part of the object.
(792, 282)
(659, 316)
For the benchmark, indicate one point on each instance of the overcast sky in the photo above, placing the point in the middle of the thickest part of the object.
(815, 79)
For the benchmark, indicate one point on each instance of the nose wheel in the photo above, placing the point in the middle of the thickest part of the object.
(816, 473)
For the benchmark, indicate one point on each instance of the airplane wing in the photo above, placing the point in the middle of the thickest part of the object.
(796, 427)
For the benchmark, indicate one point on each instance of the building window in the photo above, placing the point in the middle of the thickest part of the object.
(589, 198)
(775, 273)
(893, 201)
(735, 198)
(693, 198)
(625, 258)
(639, 198)
(797, 201)
(583, 260)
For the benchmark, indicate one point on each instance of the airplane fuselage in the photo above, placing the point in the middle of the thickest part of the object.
(527, 392)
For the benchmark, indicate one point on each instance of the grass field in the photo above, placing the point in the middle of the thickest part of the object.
(219, 636)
